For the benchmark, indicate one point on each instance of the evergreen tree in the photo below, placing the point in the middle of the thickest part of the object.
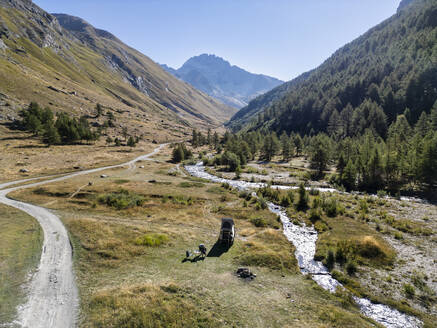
(131, 142)
(434, 117)
(428, 167)
(287, 148)
(341, 164)
(298, 143)
(124, 133)
(209, 138)
(348, 177)
(320, 153)
(302, 203)
(194, 139)
(270, 147)
(178, 154)
(99, 110)
(51, 135)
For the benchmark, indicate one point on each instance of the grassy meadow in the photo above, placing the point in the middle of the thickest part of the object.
(130, 232)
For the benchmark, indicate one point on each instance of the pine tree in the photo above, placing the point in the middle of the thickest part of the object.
(348, 178)
(320, 153)
(298, 143)
(209, 138)
(178, 154)
(334, 125)
(99, 110)
(287, 150)
(434, 117)
(341, 164)
(194, 139)
(428, 167)
(131, 142)
(51, 135)
(302, 203)
(109, 140)
(216, 140)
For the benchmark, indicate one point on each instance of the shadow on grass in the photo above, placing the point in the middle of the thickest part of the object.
(218, 249)
(194, 259)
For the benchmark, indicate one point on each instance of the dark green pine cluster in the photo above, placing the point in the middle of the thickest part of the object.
(62, 130)
(390, 70)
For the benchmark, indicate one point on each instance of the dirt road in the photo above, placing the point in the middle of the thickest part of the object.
(53, 300)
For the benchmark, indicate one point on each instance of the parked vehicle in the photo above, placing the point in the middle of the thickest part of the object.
(227, 232)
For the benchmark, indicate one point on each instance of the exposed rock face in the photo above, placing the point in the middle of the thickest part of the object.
(38, 26)
(218, 78)
(98, 62)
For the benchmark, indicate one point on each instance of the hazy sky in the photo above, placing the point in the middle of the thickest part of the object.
(282, 38)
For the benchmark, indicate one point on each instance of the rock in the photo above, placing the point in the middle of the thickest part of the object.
(152, 181)
(142, 167)
(90, 183)
(24, 171)
(103, 176)
(245, 273)
(3, 46)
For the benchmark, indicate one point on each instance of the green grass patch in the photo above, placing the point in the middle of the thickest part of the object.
(187, 184)
(20, 249)
(121, 199)
(151, 240)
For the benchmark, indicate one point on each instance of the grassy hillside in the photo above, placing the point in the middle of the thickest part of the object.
(392, 67)
(72, 71)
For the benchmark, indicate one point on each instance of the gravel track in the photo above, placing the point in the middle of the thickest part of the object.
(53, 299)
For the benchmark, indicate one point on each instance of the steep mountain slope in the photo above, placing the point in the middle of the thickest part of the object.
(64, 62)
(216, 77)
(365, 84)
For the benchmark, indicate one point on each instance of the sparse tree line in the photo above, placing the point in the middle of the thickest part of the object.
(61, 128)
(405, 158)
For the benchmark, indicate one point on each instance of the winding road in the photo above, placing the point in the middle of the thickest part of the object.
(53, 299)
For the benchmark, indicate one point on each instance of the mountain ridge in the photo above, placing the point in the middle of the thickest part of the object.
(388, 65)
(71, 66)
(230, 84)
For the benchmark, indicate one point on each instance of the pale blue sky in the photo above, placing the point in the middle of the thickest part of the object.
(282, 38)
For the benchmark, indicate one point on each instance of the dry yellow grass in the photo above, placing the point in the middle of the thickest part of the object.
(125, 284)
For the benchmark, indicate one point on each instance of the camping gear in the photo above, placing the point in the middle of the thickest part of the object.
(245, 273)
(202, 249)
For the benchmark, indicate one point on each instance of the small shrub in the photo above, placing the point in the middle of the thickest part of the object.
(331, 207)
(186, 184)
(330, 260)
(317, 202)
(302, 204)
(321, 226)
(409, 290)
(418, 280)
(398, 235)
(262, 203)
(315, 215)
(151, 240)
(364, 207)
(351, 268)
(259, 222)
(314, 192)
(122, 199)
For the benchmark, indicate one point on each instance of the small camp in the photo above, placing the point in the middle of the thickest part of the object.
(227, 232)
